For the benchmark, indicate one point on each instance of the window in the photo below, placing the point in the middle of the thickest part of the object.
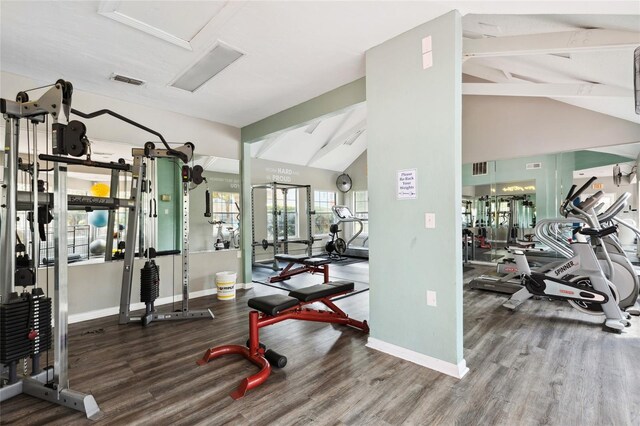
(323, 201)
(224, 208)
(361, 208)
(292, 214)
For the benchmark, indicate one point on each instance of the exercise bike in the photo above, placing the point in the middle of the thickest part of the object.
(580, 280)
(337, 244)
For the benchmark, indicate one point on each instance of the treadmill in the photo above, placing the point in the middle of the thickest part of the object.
(343, 214)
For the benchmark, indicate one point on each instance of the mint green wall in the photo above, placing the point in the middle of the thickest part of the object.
(552, 180)
(589, 159)
(246, 237)
(414, 121)
(169, 212)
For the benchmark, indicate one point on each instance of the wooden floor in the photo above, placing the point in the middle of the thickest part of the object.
(542, 365)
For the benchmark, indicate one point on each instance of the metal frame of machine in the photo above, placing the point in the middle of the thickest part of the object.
(48, 384)
(285, 241)
(138, 186)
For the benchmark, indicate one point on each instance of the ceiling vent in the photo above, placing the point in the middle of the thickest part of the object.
(129, 80)
(534, 166)
(480, 169)
(210, 65)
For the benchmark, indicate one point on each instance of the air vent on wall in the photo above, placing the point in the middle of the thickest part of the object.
(129, 80)
(534, 166)
(210, 65)
(480, 169)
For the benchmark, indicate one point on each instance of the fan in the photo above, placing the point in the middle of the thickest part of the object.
(620, 177)
(344, 182)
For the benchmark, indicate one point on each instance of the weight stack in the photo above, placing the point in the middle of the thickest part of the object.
(15, 325)
(149, 282)
(41, 322)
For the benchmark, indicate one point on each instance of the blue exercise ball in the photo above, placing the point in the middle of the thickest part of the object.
(98, 218)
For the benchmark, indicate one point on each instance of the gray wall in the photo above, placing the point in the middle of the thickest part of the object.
(358, 172)
(503, 127)
(420, 111)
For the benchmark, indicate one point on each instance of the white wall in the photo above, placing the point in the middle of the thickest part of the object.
(94, 289)
(503, 127)
(209, 137)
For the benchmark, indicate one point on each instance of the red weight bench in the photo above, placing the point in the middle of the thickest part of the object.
(308, 264)
(276, 308)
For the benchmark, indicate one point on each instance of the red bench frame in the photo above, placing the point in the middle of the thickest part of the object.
(287, 272)
(257, 320)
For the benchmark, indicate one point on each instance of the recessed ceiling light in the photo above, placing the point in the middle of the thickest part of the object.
(210, 65)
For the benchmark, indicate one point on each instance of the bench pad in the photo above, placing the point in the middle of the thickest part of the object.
(291, 257)
(272, 304)
(316, 261)
(321, 290)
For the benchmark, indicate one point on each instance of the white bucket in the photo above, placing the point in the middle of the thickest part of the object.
(226, 285)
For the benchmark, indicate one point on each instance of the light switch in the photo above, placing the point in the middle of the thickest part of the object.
(166, 211)
(431, 298)
(429, 220)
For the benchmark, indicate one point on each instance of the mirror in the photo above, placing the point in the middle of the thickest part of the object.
(503, 199)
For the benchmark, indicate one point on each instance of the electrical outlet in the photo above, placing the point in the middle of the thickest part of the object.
(430, 220)
(431, 298)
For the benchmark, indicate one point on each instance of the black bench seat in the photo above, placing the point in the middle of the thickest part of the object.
(273, 304)
(296, 258)
(316, 261)
(319, 291)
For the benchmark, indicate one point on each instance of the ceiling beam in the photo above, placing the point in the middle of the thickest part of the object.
(338, 140)
(312, 127)
(560, 42)
(555, 90)
(268, 144)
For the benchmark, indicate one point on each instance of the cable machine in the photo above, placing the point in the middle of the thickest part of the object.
(25, 318)
(277, 242)
(150, 274)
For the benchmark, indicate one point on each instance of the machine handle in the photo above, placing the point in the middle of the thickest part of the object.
(573, 196)
(590, 202)
(207, 203)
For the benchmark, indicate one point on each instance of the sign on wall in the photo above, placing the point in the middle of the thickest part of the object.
(407, 184)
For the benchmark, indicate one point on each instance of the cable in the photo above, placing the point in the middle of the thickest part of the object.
(46, 222)
(98, 113)
(41, 87)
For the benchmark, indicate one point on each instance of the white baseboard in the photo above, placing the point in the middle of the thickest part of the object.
(115, 310)
(457, 371)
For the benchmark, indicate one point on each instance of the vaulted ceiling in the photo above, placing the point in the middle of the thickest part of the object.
(296, 50)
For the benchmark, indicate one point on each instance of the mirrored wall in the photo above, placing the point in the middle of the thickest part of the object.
(503, 200)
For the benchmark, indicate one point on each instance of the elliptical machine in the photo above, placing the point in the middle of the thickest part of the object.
(337, 244)
(580, 280)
